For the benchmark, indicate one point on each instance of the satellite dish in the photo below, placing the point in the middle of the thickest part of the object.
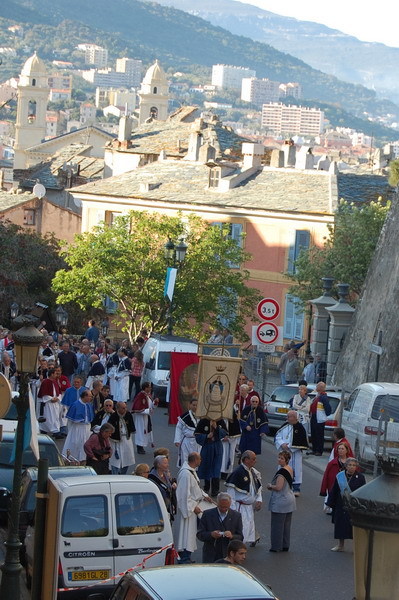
(39, 190)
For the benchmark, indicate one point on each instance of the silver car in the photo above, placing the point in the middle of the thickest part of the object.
(279, 403)
(192, 582)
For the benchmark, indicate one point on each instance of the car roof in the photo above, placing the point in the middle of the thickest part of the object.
(171, 338)
(201, 582)
(381, 386)
(69, 482)
(65, 471)
(8, 436)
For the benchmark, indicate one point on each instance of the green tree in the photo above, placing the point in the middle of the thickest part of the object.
(126, 262)
(394, 173)
(28, 264)
(346, 253)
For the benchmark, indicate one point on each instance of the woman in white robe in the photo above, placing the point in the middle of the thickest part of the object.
(143, 407)
(121, 387)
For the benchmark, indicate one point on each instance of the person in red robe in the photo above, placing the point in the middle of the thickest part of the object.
(50, 407)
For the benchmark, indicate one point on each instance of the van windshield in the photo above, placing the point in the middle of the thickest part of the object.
(85, 516)
(164, 361)
(137, 514)
(390, 404)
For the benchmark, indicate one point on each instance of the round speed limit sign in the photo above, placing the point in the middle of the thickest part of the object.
(268, 309)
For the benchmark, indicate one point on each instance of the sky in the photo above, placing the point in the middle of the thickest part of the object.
(365, 19)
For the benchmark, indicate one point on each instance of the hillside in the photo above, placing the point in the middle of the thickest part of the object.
(183, 42)
(371, 64)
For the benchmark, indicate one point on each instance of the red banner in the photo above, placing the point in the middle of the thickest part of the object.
(183, 383)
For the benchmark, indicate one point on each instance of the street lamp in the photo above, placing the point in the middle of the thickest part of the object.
(174, 254)
(61, 317)
(14, 310)
(27, 341)
(374, 511)
(105, 327)
(180, 252)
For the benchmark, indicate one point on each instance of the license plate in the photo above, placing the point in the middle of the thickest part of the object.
(282, 410)
(88, 575)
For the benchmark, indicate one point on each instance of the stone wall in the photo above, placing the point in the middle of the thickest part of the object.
(378, 310)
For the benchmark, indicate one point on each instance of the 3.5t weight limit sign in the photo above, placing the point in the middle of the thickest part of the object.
(268, 309)
(266, 333)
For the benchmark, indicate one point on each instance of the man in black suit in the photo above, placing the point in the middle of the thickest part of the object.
(218, 526)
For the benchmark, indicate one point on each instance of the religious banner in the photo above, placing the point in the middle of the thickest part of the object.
(220, 350)
(217, 380)
(183, 383)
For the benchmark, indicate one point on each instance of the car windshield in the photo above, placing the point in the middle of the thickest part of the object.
(28, 458)
(389, 404)
(283, 394)
(164, 361)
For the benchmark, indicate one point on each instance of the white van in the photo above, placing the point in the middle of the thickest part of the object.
(156, 357)
(105, 526)
(361, 415)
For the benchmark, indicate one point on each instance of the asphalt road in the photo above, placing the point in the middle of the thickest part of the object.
(310, 571)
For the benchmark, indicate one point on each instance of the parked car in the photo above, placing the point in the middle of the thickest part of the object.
(361, 415)
(28, 494)
(47, 449)
(156, 357)
(192, 582)
(279, 403)
(104, 526)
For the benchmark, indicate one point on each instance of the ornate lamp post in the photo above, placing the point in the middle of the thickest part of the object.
(175, 255)
(61, 317)
(374, 510)
(14, 310)
(27, 341)
(104, 327)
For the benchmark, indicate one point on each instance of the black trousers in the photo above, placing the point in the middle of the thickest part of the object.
(317, 433)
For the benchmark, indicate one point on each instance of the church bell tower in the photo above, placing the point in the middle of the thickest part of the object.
(30, 126)
(154, 95)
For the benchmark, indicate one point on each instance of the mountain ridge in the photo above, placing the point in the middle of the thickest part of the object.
(181, 41)
(372, 64)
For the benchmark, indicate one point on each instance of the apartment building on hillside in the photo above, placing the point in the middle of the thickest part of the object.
(277, 118)
(229, 77)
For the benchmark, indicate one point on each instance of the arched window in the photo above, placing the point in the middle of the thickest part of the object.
(154, 112)
(155, 90)
(33, 82)
(32, 111)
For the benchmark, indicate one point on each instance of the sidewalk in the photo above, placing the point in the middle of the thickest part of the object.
(318, 463)
(25, 595)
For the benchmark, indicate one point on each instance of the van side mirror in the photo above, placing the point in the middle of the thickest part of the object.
(273, 397)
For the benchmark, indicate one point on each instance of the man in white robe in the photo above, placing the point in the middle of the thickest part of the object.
(188, 496)
(184, 434)
(292, 437)
(80, 415)
(245, 488)
(121, 440)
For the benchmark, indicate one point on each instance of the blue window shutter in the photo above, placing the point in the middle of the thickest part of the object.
(289, 317)
(110, 306)
(236, 235)
(299, 319)
(301, 241)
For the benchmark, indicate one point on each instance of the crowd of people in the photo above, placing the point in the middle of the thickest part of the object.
(90, 394)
